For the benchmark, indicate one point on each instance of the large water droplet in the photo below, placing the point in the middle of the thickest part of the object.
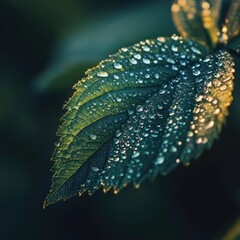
(117, 65)
(102, 74)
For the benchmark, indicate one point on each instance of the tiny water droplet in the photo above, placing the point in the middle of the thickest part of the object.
(146, 61)
(133, 61)
(93, 136)
(174, 48)
(95, 169)
(159, 160)
(137, 56)
(196, 72)
(136, 154)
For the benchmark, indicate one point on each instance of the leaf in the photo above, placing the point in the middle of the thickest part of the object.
(107, 96)
(175, 125)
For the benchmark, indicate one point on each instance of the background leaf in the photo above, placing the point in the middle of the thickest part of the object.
(233, 23)
(92, 41)
(187, 19)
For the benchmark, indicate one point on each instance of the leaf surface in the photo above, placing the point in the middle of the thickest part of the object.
(175, 125)
(107, 96)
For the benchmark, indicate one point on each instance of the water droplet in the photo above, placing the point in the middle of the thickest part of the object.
(199, 141)
(133, 61)
(196, 72)
(161, 39)
(159, 160)
(118, 99)
(217, 111)
(173, 149)
(102, 74)
(117, 65)
(210, 125)
(146, 61)
(174, 48)
(162, 91)
(195, 50)
(137, 56)
(139, 108)
(95, 169)
(199, 98)
(116, 76)
(93, 136)
(118, 133)
(136, 154)
(178, 160)
(170, 60)
(175, 37)
(146, 48)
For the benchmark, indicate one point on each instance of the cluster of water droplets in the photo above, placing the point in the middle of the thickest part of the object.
(181, 120)
(117, 85)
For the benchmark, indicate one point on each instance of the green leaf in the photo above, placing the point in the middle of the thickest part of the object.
(175, 125)
(107, 96)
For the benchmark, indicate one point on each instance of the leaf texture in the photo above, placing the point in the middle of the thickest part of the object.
(174, 126)
(107, 96)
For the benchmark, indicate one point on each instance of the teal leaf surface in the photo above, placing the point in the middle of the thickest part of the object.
(105, 99)
(175, 125)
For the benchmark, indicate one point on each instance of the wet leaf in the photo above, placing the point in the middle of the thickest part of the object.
(175, 125)
(150, 107)
(107, 96)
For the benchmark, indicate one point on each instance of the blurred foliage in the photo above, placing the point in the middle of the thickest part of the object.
(94, 41)
(37, 37)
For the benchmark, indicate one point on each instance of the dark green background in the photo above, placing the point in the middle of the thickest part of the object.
(45, 47)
